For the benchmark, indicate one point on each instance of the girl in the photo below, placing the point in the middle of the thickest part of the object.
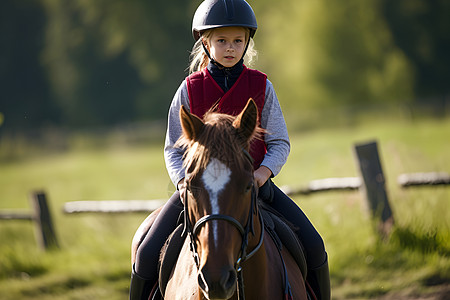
(223, 30)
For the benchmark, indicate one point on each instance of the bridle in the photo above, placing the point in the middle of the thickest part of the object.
(192, 231)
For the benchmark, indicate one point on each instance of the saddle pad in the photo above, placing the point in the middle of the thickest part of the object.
(279, 226)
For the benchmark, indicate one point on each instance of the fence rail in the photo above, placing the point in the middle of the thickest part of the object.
(354, 183)
(112, 206)
(371, 182)
(15, 215)
(421, 179)
(325, 185)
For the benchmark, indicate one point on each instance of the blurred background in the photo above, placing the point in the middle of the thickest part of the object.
(79, 64)
(85, 89)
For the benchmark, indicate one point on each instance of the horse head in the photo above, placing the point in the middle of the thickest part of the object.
(219, 194)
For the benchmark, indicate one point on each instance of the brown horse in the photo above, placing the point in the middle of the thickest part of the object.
(227, 254)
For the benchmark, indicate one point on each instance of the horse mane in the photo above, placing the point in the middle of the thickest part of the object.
(219, 139)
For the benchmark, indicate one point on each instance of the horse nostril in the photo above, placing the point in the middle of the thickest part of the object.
(228, 279)
(221, 286)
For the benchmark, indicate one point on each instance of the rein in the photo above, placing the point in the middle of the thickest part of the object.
(192, 231)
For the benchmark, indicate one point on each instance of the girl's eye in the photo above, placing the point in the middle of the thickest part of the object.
(238, 41)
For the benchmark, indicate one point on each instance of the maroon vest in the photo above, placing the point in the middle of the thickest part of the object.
(204, 92)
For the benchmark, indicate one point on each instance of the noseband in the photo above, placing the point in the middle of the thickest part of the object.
(244, 231)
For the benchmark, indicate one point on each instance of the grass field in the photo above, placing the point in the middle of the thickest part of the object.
(93, 260)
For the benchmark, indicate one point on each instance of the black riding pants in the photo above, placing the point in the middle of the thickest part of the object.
(148, 252)
(146, 264)
(308, 235)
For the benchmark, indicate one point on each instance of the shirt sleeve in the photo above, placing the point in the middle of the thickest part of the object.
(272, 119)
(173, 156)
(276, 138)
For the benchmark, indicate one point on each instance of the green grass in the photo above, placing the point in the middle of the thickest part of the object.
(93, 259)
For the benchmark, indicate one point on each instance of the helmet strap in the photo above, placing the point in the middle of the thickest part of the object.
(212, 60)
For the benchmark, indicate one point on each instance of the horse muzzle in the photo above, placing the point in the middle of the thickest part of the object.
(218, 285)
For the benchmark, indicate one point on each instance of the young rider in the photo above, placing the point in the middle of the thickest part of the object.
(223, 30)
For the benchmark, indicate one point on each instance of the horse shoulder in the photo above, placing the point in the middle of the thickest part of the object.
(277, 272)
(295, 276)
(275, 283)
(183, 283)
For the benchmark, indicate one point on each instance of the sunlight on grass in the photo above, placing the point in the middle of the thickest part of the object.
(94, 259)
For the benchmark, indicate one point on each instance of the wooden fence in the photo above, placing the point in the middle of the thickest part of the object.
(40, 216)
(371, 182)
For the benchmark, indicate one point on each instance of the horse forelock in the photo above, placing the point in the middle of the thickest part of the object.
(218, 139)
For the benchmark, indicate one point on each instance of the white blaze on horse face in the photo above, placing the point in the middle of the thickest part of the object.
(215, 177)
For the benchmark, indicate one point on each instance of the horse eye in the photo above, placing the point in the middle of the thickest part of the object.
(195, 191)
(249, 186)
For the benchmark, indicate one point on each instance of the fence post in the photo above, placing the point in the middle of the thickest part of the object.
(374, 186)
(45, 232)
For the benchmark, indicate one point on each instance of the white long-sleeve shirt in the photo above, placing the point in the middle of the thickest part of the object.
(272, 120)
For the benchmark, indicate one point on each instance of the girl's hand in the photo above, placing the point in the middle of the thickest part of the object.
(261, 175)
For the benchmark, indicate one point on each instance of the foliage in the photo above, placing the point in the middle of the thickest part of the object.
(89, 63)
(115, 61)
(420, 29)
(334, 54)
(25, 100)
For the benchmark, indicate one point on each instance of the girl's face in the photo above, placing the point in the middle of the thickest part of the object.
(227, 44)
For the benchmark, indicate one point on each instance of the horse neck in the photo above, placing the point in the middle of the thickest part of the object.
(254, 240)
(258, 228)
(262, 271)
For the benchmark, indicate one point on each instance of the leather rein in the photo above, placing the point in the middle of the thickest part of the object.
(192, 231)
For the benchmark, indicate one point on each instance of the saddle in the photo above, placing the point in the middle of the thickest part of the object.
(278, 228)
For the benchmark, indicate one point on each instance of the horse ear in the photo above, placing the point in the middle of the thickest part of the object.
(191, 124)
(246, 121)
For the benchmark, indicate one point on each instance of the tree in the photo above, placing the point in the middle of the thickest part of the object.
(25, 95)
(421, 29)
(115, 61)
(333, 53)
(89, 63)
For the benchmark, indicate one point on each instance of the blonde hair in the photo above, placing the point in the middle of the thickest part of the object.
(199, 60)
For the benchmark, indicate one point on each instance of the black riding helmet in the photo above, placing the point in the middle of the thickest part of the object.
(223, 13)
